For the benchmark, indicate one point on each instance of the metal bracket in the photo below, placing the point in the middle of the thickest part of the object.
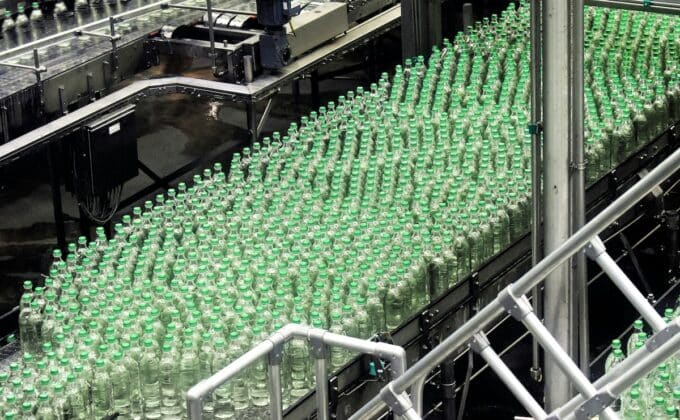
(517, 307)
(657, 191)
(675, 131)
(579, 166)
(425, 319)
(394, 401)
(479, 342)
(429, 342)
(333, 395)
(535, 128)
(660, 338)
(317, 346)
(475, 292)
(595, 248)
(62, 101)
(594, 405)
(276, 355)
(536, 374)
(613, 182)
(113, 37)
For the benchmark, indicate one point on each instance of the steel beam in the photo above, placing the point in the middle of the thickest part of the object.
(536, 171)
(556, 92)
(578, 187)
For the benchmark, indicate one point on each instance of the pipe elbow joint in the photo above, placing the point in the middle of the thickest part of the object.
(595, 248)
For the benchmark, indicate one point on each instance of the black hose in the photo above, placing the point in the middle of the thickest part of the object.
(466, 385)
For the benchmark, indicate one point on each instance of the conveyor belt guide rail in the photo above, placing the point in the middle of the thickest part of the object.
(594, 398)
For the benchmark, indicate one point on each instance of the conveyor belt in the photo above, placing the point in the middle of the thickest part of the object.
(64, 51)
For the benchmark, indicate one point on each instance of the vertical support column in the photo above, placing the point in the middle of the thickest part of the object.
(421, 26)
(556, 92)
(251, 119)
(275, 398)
(296, 91)
(410, 28)
(211, 36)
(536, 173)
(578, 186)
(319, 350)
(434, 25)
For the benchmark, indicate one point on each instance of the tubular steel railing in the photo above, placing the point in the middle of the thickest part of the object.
(273, 349)
(593, 398)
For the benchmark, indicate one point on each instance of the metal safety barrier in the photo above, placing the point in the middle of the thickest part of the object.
(273, 348)
(593, 398)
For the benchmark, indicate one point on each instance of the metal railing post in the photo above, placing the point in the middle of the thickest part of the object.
(578, 187)
(275, 398)
(272, 348)
(659, 348)
(536, 170)
(520, 309)
(597, 252)
(319, 351)
(480, 345)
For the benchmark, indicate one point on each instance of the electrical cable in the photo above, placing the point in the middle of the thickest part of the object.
(466, 385)
(98, 208)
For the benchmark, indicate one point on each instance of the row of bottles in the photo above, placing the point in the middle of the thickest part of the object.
(30, 15)
(657, 395)
(350, 221)
(22, 20)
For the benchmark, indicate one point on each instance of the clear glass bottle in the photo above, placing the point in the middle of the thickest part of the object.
(149, 381)
(101, 390)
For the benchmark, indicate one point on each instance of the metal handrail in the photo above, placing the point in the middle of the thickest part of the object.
(516, 291)
(272, 348)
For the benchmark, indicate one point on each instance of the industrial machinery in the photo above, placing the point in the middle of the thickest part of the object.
(65, 59)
